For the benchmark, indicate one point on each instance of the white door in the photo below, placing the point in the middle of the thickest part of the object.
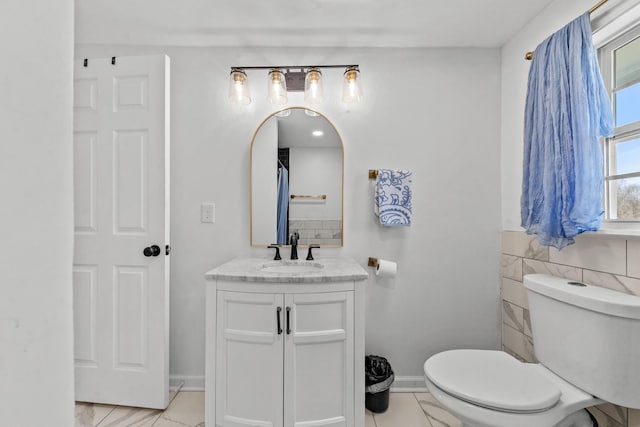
(319, 376)
(121, 181)
(249, 378)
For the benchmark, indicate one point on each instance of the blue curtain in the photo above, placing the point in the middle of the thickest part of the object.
(283, 205)
(567, 109)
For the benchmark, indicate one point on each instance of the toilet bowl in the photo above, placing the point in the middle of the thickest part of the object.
(485, 388)
(570, 321)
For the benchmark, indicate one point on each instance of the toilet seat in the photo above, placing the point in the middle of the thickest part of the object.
(492, 379)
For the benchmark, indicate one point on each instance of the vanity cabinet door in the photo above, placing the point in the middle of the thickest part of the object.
(319, 360)
(249, 359)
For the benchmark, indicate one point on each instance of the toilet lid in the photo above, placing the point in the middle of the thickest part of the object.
(492, 379)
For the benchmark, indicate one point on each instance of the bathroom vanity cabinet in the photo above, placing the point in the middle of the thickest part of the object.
(285, 353)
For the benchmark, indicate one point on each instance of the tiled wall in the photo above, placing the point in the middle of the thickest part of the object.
(607, 261)
(321, 232)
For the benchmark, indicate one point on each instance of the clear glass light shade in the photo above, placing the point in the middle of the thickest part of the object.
(239, 88)
(351, 90)
(313, 86)
(284, 113)
(277, 88)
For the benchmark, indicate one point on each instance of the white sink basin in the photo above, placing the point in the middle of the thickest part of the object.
(291, 267)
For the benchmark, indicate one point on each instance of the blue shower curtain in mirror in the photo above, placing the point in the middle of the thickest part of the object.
(567, 109)
(283, 205)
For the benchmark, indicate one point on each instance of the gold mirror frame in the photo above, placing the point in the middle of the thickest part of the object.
(251, 204)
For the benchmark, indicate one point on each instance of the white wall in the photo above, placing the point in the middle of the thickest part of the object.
(314, 171)
(440, 120)
(36, 213)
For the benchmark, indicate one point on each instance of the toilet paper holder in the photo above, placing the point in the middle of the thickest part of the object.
(384, 269)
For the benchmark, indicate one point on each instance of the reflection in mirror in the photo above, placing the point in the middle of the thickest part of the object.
(296, 180)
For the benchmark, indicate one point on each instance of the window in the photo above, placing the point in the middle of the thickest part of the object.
(620, 64)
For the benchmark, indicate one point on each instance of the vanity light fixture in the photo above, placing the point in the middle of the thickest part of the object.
(239, 87)
(294, 78)
(277, 87)
(283, 113)
(313, 86)
(351, 90)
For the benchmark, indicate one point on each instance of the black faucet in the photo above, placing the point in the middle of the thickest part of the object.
(293, 240)
(277, 248)
(309, 254)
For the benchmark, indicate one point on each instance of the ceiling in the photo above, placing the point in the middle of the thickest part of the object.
(303, 23)
(296, 130)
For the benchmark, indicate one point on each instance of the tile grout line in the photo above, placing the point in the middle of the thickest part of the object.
(373, 417)
(124, 418)
(179, 389)
(154, 422)
(106, 415)
(422, 409)
(101, 420)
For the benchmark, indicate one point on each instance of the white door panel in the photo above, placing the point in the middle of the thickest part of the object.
(121, 306)
(84, 311)
(130, 170)
(319, 360)
(249, 362)
(84, 175)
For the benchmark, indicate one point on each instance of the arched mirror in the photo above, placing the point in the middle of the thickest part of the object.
(296, 180)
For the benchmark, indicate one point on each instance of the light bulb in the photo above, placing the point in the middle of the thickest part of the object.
(313, 86)
(277, 88)
(351, 90)
(239, 88)
(284, 113)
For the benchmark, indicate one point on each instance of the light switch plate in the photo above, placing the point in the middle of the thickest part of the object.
(208, 212)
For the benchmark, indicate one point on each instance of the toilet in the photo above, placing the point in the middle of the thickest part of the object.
(587, 343)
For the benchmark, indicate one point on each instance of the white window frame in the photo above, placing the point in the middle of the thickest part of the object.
(621, 133)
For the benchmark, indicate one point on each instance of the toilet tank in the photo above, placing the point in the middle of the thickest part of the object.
(588, 335)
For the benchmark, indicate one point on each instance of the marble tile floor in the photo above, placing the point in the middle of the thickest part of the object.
(187, 409)
(412, 410)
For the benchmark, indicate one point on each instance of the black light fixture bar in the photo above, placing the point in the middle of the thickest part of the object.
(288, 67)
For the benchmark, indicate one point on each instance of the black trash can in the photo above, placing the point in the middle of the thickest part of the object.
(378, 380)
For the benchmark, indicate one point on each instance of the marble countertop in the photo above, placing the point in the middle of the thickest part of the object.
(286, 271)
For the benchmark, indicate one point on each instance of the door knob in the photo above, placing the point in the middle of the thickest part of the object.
(153, 250)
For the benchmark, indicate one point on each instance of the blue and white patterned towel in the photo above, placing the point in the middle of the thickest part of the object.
(393, 197)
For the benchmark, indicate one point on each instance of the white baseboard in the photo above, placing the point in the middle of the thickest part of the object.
(406, 384)
(401, 384)
(189, 383)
